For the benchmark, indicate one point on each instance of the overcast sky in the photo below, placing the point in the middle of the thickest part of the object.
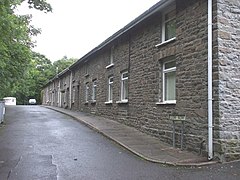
(77, 26)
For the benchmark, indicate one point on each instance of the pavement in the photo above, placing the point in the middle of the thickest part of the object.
(145, 146)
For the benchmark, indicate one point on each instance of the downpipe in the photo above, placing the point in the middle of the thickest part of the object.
(210, 99)
(70, 90)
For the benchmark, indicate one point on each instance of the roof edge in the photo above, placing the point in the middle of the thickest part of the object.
(152, 10)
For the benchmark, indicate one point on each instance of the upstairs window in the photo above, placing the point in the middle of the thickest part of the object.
(169, 82)
(124, 86)
(111, 58)
(169, 25)
(111, 55)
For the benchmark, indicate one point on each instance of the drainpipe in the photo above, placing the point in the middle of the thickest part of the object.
(59, 93)
(210, 109)
(70, 90)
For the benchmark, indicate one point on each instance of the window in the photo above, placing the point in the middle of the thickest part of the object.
(169, 25)
(111, 58)
(111, 55)
(94, 90)
(86, 92)
(169, 82)
(124, 86)
(110, 89)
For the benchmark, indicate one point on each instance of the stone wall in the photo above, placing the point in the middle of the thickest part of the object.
(228, 24)
(190, 51)
(140, 53)
(136, 52)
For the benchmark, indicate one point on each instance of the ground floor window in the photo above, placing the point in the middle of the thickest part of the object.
(124, 86)
(110, 89)
(169, 81)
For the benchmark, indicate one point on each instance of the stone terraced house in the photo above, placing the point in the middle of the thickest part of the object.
(180, 57)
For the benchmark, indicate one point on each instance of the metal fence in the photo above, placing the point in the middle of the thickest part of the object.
(2, 111)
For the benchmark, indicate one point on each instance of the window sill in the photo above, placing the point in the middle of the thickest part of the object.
(108, 102)
(125, 101)
(165, 42)
(110, 65)
(166, 103)
(93, 102)
(86, 103)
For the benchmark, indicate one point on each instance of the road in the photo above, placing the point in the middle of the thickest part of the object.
(37, 143)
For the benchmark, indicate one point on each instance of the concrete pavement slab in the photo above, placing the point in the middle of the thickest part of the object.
(147, 147)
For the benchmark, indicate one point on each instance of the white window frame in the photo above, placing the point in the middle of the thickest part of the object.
(172, 8)
(86, 92)
(112, 55)
(94, 90)
(111, 58)
(123, 88)
(110, 90)
(165, 71)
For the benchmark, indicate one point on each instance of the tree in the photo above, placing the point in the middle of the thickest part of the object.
(23, 72)
(15, 41)
(38, 72)
(41, 5)
(63, 63)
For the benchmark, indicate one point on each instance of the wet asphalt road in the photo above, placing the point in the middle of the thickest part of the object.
(40, 144)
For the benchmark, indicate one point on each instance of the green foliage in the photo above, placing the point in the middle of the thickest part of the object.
(23, 72)
(63, 63)
(37, 74)
(14, 49)
(39, 71)
(41, 5)
(15, 42)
